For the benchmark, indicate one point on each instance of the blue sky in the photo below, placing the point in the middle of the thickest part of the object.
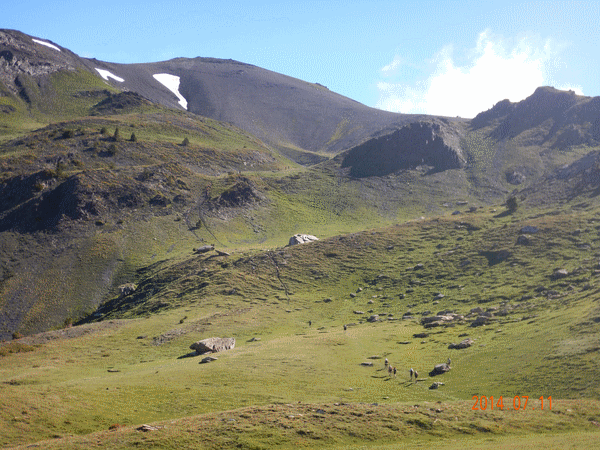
(444, 57)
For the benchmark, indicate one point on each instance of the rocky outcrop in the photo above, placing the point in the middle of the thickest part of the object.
(428, 144)
(213, 345)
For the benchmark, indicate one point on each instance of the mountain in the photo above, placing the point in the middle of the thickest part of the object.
(293, 115)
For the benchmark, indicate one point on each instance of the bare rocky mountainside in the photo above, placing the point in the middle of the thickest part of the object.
(108, 168)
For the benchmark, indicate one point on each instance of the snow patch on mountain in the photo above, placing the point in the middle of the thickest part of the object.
(106, 75)
(171, 82)
(37, 41)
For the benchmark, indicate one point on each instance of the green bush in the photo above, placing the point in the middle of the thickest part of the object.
(68, 134)
(15, 347)
(185, 142)
(103, 130)
(112, 150)
(133, 137)
(116, 136)
(512, 204)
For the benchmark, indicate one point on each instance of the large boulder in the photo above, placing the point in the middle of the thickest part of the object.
(439, 369)
(302, 239)
(213, 345)
(466, 343)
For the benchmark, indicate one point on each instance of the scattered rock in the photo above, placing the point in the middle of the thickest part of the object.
(373, 318)
(358, 312)
(420, 335)
(213, 344)
(466, 343)
(560, 273)
(222, 253)
(113, 370)
(529, 230)
(126, 289)
(147, 428)
(208, 359)
(436, 384)
(254, 339)
(481, 320)
(204, 249)
(367, 364)
(418, 267)
(524, 239)
(374, 357)
(302, 239)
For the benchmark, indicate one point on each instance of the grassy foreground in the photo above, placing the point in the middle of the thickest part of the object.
(570, 424)
(133, 366)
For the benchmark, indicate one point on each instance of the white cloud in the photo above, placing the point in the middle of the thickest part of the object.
(494, 70)
(390, 69)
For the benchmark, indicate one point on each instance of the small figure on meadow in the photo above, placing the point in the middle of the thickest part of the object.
(310, 323)
(416, 375)
(386, 362)
(411, 372)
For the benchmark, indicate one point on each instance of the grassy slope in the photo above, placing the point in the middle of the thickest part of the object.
(551, 352)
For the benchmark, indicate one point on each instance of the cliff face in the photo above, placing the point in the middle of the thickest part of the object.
(429, 143)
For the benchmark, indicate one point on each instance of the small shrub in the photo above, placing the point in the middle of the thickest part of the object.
(112, 150)
(68, 134)
(59, 172)
(511, 204)
(116, 136)
(103, 130)
(16, 335)
(133, 137)
(185, 142)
